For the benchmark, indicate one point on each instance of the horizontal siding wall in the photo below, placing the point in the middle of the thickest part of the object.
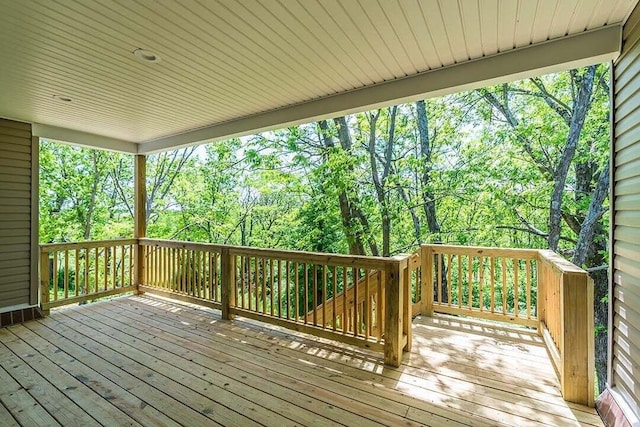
(15, 213)
(625, 347)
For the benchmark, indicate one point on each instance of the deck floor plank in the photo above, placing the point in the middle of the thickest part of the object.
(127, 396)
(497, 408)
(229, 353)
(153, 361)
(169, 398)
(76, 390)
(23, 407)
(64, 409)
(7, 417)
(239, 361)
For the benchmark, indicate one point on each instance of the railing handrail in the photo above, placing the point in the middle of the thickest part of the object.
(89, 244)
(483, 251)
(373, 262)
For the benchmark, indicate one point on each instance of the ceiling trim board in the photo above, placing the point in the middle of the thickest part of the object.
(83, 139)
(574, 51)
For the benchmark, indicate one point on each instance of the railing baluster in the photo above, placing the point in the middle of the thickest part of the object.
(324, 296)
(287, 286)
(87, 253)
(334, 288)
(459, 259)
(264, 285)
(122, 266)
(528, 268)
(96, 272)
(492, 271)
(366, 306)
(66, 274)
(470, 281)
(355, 273)
(279, 294)
(77, 273)
(439, 263)
(272, 287)
(481, 283)
(449, 282)
(314, 296)
(56, 284)
(504, 285)
(516, 285)
(296, 283)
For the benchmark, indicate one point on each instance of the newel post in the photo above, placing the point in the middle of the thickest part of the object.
(426, 280)
(140, 213)
(44, 282)
(227, 282)
(577, 356)
(396, 324)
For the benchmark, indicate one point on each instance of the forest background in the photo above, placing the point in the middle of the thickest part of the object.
(523, 164)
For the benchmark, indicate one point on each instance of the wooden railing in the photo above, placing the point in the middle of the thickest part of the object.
(488, 283)
(366, 301)
(78, 272)
(352, 299)
(182, 270)
(533, 288)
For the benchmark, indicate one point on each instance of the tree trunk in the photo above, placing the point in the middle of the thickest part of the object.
(581, 105)
(380, 182)
(354, 238)
(428, 199)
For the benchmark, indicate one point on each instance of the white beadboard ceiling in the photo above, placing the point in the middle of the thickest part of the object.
(225, 60)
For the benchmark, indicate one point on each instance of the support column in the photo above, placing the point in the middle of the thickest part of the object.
(140, 214)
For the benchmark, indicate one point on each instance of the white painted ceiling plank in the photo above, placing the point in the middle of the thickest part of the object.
(450, 13)
(433, 19)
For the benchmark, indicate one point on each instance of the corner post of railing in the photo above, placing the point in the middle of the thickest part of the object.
(394, 312)
(426, 281)
(576, 305)
(227, 282)
(44, 282)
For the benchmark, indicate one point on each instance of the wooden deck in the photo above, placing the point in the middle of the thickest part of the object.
(142, 360)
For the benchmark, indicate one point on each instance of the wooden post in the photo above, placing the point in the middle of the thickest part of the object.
(227, 282)
(140, 210)
(426, 280)
(44, 282)
(576, 305)
(393, 328)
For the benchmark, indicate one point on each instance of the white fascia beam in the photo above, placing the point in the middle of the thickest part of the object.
(569, 52)
(84, 139)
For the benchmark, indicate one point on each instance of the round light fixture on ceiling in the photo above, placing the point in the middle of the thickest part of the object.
(62, 98)
(146, 56)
